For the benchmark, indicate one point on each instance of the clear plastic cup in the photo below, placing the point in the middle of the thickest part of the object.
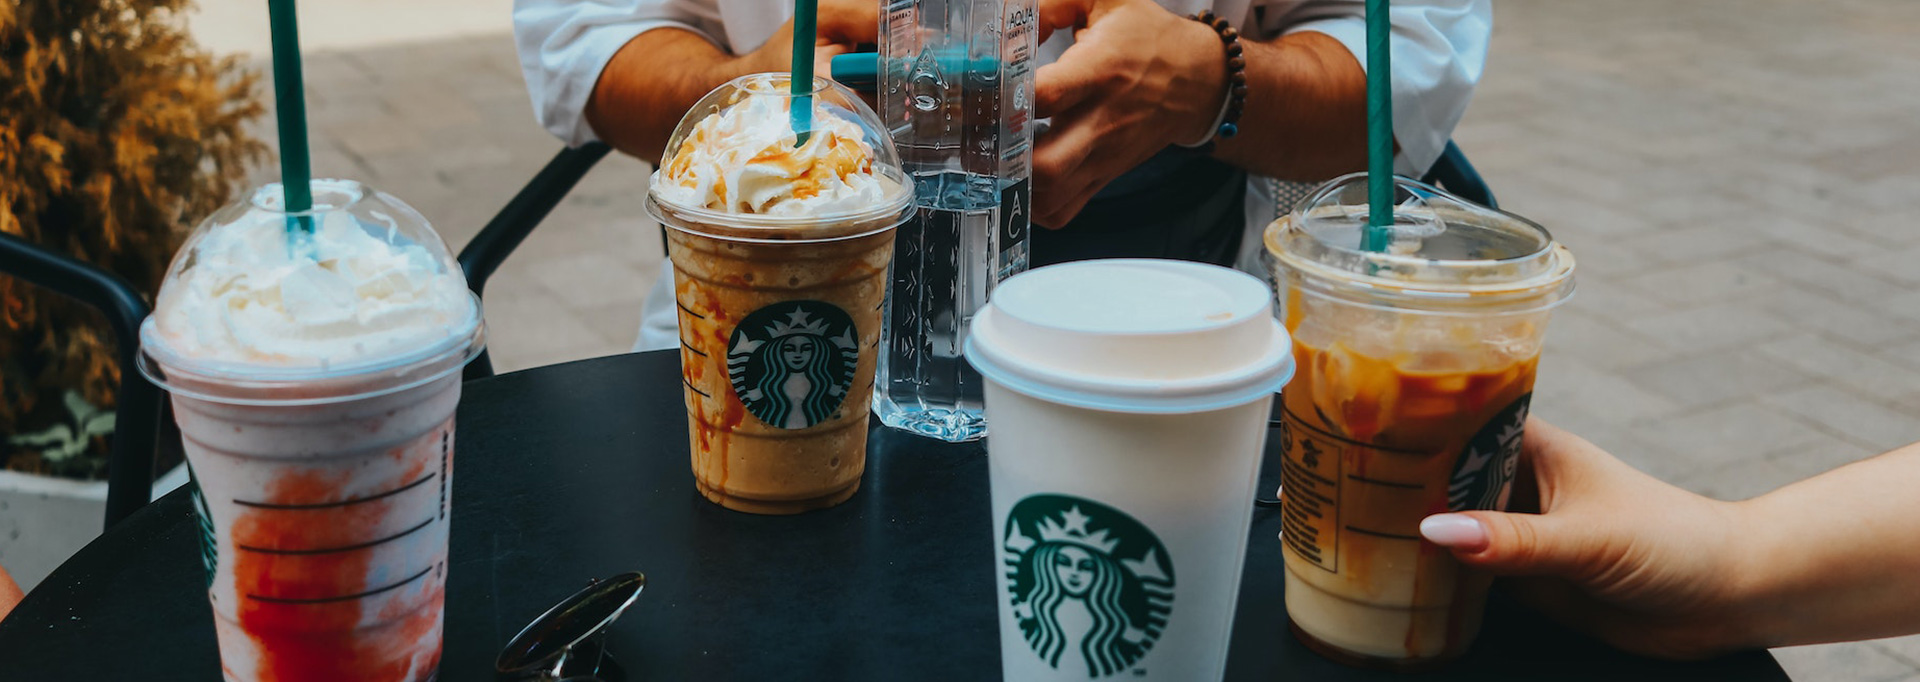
(323, 453)
(1416, 367)
(780, 308)
(1129, 402)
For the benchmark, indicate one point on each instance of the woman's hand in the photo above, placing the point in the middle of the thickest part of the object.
(10, 594)
(1644, 565)
(842, 24)
(1657, 570)
(1137, 79)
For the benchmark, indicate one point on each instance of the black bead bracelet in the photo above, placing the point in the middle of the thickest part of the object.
(1236, 100)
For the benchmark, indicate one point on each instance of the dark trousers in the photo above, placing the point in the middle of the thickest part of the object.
(1176, 205)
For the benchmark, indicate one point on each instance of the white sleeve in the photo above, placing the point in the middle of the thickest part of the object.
(564, 44)
(1439, 51)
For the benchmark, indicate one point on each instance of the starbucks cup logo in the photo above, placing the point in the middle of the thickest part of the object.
(1483, 475)
(1091, 587)
(209, 544)
(791, 363)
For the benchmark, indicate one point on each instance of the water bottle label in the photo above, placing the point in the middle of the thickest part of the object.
(1015, 202)
(1016, 57)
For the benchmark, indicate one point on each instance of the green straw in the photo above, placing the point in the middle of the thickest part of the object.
(1380, 183)
(805, 31)
(290, 105)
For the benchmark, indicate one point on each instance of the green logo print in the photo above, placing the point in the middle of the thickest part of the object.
(1483, 475)
(791, 363)
(1090, 586)
(209, 545)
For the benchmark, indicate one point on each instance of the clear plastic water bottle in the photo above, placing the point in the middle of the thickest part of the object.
(956, 91)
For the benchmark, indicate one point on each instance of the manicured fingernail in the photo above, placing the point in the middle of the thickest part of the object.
(1457, 531)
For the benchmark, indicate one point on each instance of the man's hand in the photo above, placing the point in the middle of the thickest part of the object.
(656, 77)
(843, 24)
(1137, 79)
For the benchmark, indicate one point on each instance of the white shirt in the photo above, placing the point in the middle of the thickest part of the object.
(1439, 49)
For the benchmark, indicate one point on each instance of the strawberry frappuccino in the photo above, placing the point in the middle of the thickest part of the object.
(314, 377)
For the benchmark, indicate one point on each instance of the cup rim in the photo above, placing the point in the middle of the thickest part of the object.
(1543, 289)
(1263, 377)
(158, 363)
(1547, 243)
(742, 227)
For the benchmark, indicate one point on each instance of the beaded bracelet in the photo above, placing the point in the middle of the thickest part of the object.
(1236, 99)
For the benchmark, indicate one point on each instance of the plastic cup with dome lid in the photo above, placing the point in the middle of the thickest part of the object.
(314, 383)
(1417, 348)
(780, 245)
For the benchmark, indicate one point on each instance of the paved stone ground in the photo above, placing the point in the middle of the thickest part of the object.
(447, 127)
(1730, 174)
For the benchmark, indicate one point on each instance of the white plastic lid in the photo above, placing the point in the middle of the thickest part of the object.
(1133, 335)
(326, 346)
(770, 93)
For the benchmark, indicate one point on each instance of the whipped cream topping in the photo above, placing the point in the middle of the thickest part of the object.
(365, 293)
(743, 160)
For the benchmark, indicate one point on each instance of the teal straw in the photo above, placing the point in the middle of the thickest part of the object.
(805, 31)
(296, 173)
(1380, 183)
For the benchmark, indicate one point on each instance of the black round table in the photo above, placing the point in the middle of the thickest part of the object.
(580, 470)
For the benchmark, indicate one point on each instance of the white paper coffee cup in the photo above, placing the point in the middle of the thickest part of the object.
(1129, 400)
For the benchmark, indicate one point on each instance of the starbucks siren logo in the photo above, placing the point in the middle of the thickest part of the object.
(209, 545)
(1091, 587)
(791, 363)
(1483, 476)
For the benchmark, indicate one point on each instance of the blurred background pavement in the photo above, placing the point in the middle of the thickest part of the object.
(1734, 177)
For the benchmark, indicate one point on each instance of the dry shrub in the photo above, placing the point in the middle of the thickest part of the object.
(117, 133)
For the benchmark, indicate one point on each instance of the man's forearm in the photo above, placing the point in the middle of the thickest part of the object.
(650, 83)
(1838, 555)
(1306, 113)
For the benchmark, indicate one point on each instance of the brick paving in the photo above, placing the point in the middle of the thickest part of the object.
(447, 127)
(1730, 175)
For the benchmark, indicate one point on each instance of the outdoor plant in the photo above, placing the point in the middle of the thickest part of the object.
(117, 133)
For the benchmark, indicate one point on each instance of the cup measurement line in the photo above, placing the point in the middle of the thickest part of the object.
(341, 503)
(347, 548)
(446, 462)
(691, 349)
(345, 597)
(689, 311)
(1380, 534)
(1389, 484)
(690, 387)
(1334, 436)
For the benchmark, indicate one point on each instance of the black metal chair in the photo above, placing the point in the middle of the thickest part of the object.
(1453, 173)
(488, 249)
(137, 416)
